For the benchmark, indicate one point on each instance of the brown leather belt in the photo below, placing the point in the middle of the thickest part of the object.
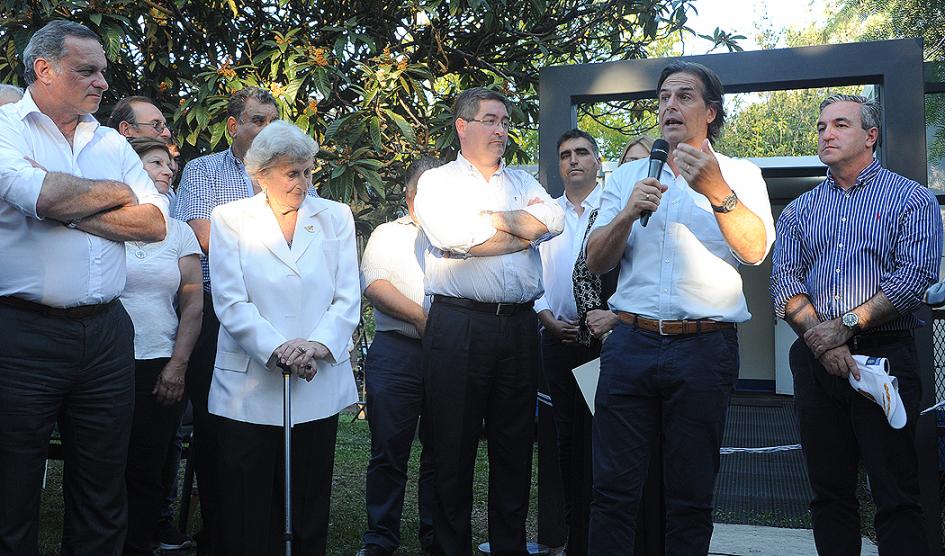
(673, 327)
(80, 312)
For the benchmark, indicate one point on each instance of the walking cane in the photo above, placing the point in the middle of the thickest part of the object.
(274, 364)
(287, 434)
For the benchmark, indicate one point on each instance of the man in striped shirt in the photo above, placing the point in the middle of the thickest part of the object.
(853, 258)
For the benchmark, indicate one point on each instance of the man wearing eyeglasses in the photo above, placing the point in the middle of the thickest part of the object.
(481, 348)
(137, 116)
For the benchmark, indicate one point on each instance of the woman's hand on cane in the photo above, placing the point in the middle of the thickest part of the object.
(300, 356)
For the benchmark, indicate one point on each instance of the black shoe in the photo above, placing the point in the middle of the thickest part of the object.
(373, 550)
(169, 538)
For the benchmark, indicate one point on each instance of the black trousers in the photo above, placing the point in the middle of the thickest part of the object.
(839, 428)
(573, 428)
(204, 448)
(152, 433)
(394, 383)
(479, 366)
(81, 373)
(252, 504)
(681, 386)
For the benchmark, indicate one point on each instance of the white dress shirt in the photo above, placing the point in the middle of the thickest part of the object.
(265, 293)
(449, 205)
(395, 252)
(558, 256)
(42, 260)
(680, 266)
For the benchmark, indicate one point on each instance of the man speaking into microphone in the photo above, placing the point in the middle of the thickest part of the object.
(672, 362)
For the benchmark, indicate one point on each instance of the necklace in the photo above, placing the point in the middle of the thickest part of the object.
(139, 249)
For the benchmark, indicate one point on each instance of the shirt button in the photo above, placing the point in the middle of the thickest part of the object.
(665, 260)
(838, 270)
(840, 246)
(844, 219)
(665, 290)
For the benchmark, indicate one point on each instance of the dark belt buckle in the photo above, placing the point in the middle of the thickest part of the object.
(504, 309)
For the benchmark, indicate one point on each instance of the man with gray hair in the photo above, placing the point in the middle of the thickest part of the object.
(71, 192)
(9, 94)
(481, 349)
(853, 259)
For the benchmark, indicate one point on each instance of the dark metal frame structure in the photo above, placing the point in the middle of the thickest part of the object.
(895, 67)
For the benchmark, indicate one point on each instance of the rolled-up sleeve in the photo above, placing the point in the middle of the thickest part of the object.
(788, 274)
(20, 182)
(449, 221)
(918, 252)
(548, 211)
(752, 192)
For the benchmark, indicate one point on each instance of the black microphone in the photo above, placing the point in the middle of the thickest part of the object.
(658, 155)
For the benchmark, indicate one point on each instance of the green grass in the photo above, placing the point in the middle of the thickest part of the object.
(348, 517)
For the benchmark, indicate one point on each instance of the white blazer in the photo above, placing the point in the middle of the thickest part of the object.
(265, 293)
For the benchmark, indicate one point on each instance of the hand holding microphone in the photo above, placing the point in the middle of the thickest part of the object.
(658, 156)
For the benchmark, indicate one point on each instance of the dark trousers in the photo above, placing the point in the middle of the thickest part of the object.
(204, 448)
(688, 380)
(573, 429)
(81, 373)
(480, 366)
(839, 428)
(394, 383)
(252, 503)
(152, 433)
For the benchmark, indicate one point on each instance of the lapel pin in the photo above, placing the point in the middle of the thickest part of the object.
(310, 229)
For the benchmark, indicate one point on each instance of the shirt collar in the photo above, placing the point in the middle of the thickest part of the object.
(26, 106)
(469, 165)
(591, 202)
(405, 220)
(228, 153)
(865, 176)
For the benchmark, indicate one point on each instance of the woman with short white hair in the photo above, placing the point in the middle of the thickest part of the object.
(285, 285)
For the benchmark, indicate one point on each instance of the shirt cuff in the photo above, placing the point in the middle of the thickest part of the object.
(541, 304)
(551, 218)
(25, 194)
(784, 294)
(369, 276)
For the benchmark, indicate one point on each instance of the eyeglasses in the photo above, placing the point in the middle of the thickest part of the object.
(505, 124)
(159, 127)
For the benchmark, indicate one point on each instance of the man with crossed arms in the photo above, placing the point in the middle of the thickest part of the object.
(480, 349)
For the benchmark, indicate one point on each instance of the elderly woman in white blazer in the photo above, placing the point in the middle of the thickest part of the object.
(285, 283)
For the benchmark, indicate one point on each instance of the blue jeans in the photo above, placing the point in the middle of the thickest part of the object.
(688, 379)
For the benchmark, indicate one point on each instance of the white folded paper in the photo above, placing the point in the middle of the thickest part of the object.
(586, 376)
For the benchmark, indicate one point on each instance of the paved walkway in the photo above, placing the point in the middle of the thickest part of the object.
(753, 540)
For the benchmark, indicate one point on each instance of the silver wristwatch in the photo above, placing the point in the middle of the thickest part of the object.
(728, 204)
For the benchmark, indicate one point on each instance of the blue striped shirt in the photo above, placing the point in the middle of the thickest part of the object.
(840, 247)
